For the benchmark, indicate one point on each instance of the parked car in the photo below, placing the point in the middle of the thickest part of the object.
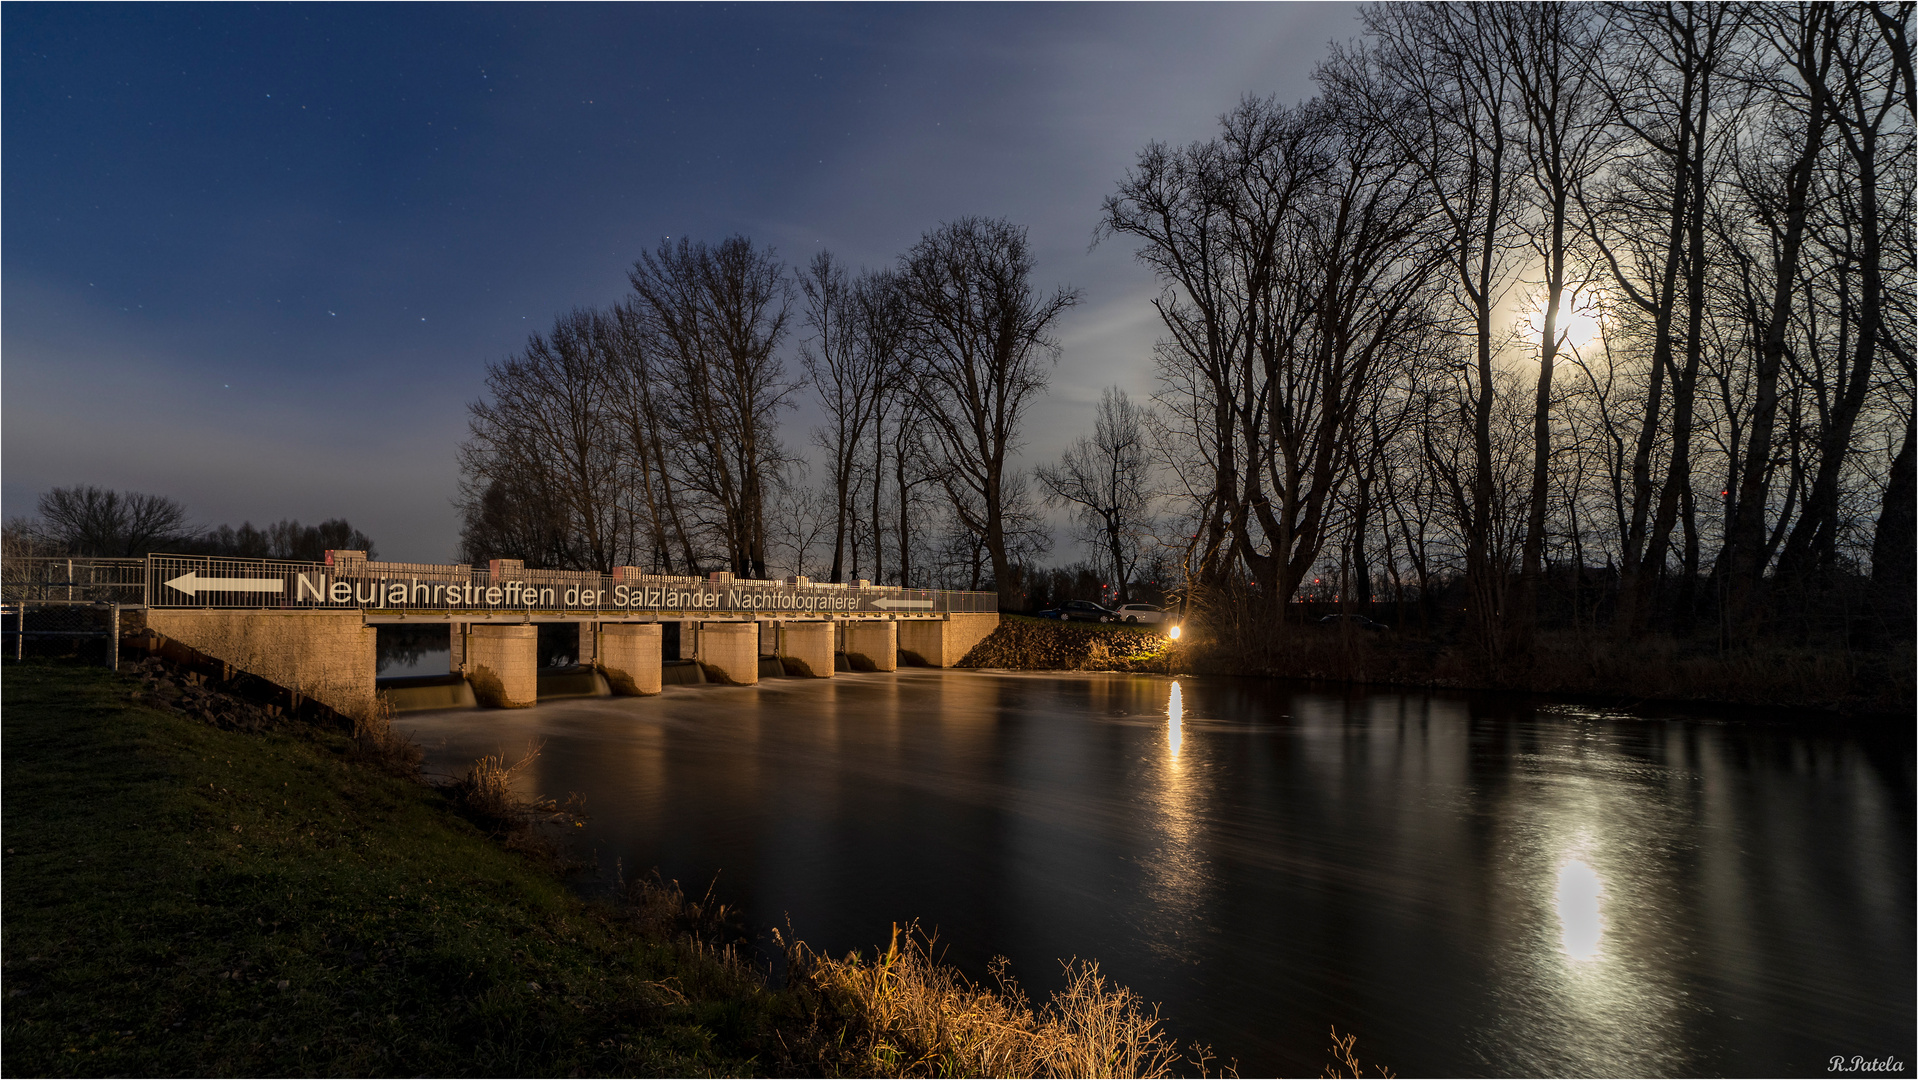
(1079, 611)
(1356, 622)
(1142, 613)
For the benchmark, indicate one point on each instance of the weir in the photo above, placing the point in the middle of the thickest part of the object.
(311, 626)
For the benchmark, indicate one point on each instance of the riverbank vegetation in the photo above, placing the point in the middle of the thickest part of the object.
(1862, 683)
(194, 887)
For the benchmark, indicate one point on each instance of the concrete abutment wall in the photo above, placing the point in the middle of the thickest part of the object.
(329, 656)
(942, 643)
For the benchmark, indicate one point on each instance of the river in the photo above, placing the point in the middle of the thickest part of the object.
(1474, 885)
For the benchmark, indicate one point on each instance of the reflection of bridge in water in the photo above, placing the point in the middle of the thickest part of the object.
(311, 627)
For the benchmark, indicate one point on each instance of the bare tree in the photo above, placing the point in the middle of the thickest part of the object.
(1869, 112)
(1663, 72)
(1803, 35)
(637, 400)
(717, 316)
(1294, 253)
(849, 375)
(88, 520)
(1545, 46)
(978, 334)
(1438, 85)
(543, 427)
(1106, 480)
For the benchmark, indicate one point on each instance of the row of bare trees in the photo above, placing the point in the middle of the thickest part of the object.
(1537, 291)
(1587, 312)
(91, 521)
(648, 434)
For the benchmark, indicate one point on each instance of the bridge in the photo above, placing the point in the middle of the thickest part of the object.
(311, 627)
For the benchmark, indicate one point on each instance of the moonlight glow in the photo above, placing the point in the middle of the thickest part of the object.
(1578, 323)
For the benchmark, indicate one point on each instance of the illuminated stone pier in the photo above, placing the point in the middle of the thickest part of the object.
(629, 655)
(871, 646)
(805, 648)
(729, 651)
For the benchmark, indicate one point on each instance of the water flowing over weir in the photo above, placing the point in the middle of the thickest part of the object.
(1474, 885)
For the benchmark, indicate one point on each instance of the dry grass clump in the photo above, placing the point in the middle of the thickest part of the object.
(909, 1015)
(486, 796)
(375, 741)
(1345, 1060)
(487, 788)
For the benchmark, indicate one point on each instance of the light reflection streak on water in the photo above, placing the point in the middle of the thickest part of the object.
(1176, 870)
(1580, 920)
(1175, 718)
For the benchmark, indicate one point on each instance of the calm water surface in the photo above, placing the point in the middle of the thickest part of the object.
(1474, 886)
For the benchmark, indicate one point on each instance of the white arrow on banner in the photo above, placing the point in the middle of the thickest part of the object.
(193, 585)
(920, 605)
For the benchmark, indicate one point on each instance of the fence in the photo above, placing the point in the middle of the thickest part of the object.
(82, 580)
(60, 628)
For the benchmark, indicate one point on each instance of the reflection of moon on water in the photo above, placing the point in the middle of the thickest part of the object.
(1579, 891)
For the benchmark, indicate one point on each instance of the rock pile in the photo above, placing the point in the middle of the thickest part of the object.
(164, 686)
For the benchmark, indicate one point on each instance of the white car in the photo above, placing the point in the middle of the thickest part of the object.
(1141, 613)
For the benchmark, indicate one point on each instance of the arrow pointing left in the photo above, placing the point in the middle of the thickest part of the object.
(193, 585)
(916, 605)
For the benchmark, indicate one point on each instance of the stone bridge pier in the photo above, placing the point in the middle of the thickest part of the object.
(870, 645)
(629, 656)
(502, 663)
(805, 648)
(729, 651)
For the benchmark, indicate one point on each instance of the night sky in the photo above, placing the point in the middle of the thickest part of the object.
(257, 258)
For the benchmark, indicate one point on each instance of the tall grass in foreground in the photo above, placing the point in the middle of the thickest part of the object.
(913, 1016)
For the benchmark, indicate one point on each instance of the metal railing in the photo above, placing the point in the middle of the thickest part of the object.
(349, 583)
(75, 580)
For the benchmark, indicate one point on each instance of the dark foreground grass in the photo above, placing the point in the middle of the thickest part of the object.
(179, 899)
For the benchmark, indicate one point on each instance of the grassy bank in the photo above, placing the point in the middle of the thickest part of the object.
(181, 898)
(1875, 682)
